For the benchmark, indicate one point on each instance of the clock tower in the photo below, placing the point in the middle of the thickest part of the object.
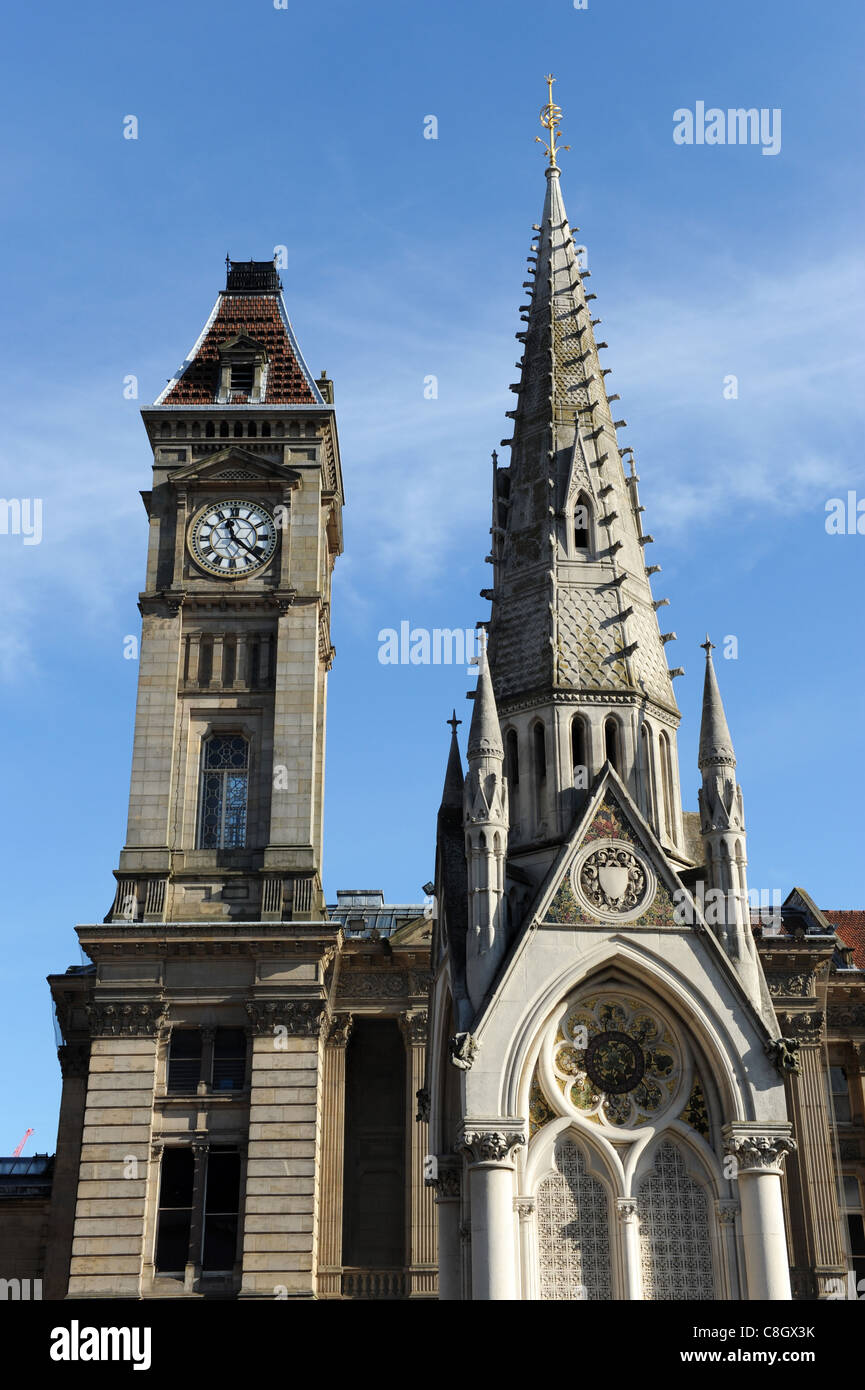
(226, 795)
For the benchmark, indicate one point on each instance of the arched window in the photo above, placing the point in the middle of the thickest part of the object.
(675, 1246)
(539, 751)
(579, 752)
(582, 523)
(238, 429)
(513, 758)
(647, 768)
(612, 751)
(223, 794)
(667, 781)
(223, 429)
(252, 429)
(573, 1230)
(265, 430)
(209, 430)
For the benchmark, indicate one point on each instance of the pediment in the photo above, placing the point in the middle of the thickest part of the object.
(241, 343)
(233, 464)
(612, 871)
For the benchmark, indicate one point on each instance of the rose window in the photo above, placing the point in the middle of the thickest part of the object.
(616, 1061)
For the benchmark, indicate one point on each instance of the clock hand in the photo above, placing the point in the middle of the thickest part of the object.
(236, 539)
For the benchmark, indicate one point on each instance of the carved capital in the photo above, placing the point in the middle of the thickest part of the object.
(727, 1212)
(525, 1207)
(414, 1027)
(302, 1018)
(758, 1151)
(463, 1050)
(626, 1209)
(118, 1019)
(804, 1027)
(489, 1145)
(339, 1030)
(74, 1060)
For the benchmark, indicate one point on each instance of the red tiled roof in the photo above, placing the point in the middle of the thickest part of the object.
(849, 922)
(259, 317)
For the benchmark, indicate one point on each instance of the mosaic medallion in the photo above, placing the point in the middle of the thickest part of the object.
(614, 1063)
(611, 879)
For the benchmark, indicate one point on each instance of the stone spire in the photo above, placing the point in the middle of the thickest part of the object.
(574, 622)
(452, 793)
(722, 828)
(716, 745)
(485, 820)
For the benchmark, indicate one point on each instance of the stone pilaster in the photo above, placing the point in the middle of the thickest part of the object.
(422, 1254)
(279, 1228)
(628, 1218)
(74, 1064)
(332, 1157)
(818, 1253)
(111, 1211)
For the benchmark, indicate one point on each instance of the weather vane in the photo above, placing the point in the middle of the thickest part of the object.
(551, 116)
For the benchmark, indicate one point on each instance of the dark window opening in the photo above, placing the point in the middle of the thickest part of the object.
(611, 743)
(175, 1211)
(209, 430)
(223, 429)
(374, 1208)
(513, 753)
(540, 751)
(221, 1208)
(184, 1061)
(229, 1059)
(242, 377)
(582, 539)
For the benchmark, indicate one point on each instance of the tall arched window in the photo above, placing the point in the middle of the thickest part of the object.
(582, 523)
(512, 751)
(579, 751)
(539, 751)
(611, 743)
(648, 771)
(667, 781)
(675, 1245)
(573, 1230)
(224, 790)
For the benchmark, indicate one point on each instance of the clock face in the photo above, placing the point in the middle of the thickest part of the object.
(233, 538)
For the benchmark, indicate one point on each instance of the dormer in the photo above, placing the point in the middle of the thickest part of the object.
(242, 371)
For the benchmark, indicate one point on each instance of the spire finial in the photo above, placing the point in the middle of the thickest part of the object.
(453, 721)
(708, 646)
(550, 117)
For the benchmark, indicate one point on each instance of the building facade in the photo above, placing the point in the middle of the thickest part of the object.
(586, 1069)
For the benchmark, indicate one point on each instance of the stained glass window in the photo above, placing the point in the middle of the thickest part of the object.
(224, 780)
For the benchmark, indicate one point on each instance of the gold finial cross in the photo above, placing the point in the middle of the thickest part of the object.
(550, 117)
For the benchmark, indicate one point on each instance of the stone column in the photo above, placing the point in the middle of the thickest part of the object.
(759, 1154)
(332, 1157)
(525, 1208)
(421, 1223)
(491, 1195)
(627, 1213)
(281, 1197)
(448, 1194)
(192, 1272)
(820, 1260)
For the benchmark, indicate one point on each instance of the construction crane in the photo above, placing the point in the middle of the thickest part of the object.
(16, 1152)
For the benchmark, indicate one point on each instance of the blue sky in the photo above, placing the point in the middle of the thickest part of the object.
(304, 127)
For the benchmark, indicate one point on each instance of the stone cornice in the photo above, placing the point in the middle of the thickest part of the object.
(152, 940)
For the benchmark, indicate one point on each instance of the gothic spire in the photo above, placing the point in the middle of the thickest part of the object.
(452, 795)
(485, 735)
(716, 745)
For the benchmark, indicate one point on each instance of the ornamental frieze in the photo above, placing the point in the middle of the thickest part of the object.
(790, 984)
(371, 983)
(847, 1015)
(804, 1027)
(303, 1018)
(127, 1020)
